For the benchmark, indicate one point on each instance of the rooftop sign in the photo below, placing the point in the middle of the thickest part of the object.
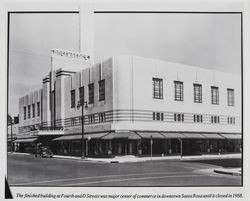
(69, 54)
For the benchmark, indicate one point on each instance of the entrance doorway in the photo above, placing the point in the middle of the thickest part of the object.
(124, 147)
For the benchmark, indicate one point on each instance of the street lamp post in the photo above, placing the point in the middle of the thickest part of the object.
(81, 104)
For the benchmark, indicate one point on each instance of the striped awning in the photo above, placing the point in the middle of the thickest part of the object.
(212, 136)
(122, 135)
(26, 140)
(148, 135)
(172, 135)
(232, 136)
(192, 136)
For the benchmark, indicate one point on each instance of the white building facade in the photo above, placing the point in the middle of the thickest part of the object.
(133, 102)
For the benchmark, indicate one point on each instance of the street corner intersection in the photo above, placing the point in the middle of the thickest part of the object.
(26, 170)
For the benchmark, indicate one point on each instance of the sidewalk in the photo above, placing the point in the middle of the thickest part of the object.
(133, 159)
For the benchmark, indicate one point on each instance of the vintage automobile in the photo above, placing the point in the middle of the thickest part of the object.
(44, 151)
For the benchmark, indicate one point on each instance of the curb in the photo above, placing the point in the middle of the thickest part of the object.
(208, 158)
(19, 153)
(227, 173)
(141, 159)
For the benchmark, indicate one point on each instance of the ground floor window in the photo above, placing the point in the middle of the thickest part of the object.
(141, 147)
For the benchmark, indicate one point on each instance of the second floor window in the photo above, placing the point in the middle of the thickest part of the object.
(73, 98)
(178, 88)
(101, 90)
(91, 93)
(230, 97)
(33, 110)
(81, 95)
(197, 93)
(28, 111)
(215, 95)
(24, 113)
(38, 108)
(157, 88)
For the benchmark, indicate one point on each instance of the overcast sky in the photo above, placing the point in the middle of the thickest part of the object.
(206, 40)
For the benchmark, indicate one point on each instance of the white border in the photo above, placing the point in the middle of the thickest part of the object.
(157, 5)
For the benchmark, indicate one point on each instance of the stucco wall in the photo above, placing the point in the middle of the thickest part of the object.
(83, 78)
(24, 101)
(133, 91)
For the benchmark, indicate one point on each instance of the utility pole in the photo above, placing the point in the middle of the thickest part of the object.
(79, 20)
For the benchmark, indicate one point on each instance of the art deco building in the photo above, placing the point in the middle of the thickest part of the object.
(132, 102)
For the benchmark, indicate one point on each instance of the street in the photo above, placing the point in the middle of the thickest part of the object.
(26, 170)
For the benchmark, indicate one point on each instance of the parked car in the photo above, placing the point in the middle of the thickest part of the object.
(44, 151)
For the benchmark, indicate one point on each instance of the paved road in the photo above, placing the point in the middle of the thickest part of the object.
(30, 171)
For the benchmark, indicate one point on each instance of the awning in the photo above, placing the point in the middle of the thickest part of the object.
(10, 140)
(212, 136)
(193, 136)
(68, 137)
(26, 140)
(122, 135)
(147, 135)
(79, 137)
(232, 136)
(94, 136)
(172, 135)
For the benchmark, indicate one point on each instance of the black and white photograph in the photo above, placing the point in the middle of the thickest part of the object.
(105, 97)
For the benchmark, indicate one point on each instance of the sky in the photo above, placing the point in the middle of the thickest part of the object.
(206, 40)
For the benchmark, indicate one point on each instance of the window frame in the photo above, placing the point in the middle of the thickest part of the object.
(178, 91)
(215, 95)
(230, 97)
(101, 84)
(72, 98)
(81, 94)
(24, 112)
(38, 108)
(91, 90)
(179, 117)
(28, 111)
(33, 110)
(197, 93)
(157, 88)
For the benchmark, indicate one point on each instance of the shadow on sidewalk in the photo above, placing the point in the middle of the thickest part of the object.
(233, 163)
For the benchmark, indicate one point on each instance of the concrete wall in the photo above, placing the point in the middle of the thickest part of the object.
(83, 78)
(133, 91)
(129, 104)
(32, 98)
(46, 120)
